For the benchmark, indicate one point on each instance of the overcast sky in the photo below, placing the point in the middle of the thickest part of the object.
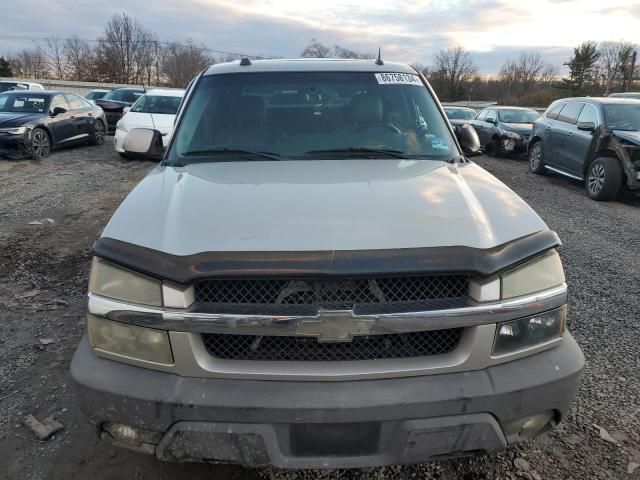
(407, 31)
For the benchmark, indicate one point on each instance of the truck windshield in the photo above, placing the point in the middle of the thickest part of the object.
(299, 115)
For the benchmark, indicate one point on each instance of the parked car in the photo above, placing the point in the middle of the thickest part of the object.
(595, 140)
(504, 130)
(459, 116)
(7, 85)
(635, 95)
(95, 94)
(156, 109)
(316, 277)
(114, 103)
(32, 123)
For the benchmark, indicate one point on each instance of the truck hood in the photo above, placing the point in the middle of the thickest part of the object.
(320, 205)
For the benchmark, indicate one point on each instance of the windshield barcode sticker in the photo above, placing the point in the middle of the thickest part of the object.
(397, 79)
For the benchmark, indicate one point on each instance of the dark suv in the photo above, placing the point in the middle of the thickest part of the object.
(595, 140)
(504, 130)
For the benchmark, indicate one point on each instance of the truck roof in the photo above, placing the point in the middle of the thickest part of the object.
(309, 65)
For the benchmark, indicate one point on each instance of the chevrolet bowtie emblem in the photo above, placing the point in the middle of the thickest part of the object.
(335, 326)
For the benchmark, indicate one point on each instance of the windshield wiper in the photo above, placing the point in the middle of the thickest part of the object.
(378, 151)
(232, 151)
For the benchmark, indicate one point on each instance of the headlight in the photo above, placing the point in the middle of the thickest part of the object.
(14, 131)
(130, 341)
(120, 126)
(112, 281)
(527, 332)
(539, 274)
(510, 134)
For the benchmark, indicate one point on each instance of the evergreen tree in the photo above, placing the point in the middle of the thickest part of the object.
(581, 68)
(5, 68)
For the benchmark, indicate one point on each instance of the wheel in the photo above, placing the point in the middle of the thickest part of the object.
(604, 179)
(493, 149)
(536, 162)
(97, 137)
(40, 144)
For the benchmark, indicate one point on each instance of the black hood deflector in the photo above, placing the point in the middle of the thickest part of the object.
(300, 264)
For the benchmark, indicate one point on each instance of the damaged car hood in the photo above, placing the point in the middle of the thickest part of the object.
(323, 205)
(9, 119)
(630, 136)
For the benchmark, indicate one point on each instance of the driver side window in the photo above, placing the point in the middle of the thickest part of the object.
(58, 101)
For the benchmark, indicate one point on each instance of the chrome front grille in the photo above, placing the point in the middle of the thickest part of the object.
(309, 349)
(386, 294)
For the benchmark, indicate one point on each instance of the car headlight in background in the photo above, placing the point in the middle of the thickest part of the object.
(529, 331)
(14, 131)
(112, 281)
(131, 341)
(539, 274)
(120, 126)
(509, 134)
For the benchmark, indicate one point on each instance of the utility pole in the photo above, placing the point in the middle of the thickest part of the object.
(631, 71)
(157, 68)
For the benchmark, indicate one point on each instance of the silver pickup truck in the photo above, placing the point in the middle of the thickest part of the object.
(317, 276)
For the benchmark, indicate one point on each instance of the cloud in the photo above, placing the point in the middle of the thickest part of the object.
(407, 31)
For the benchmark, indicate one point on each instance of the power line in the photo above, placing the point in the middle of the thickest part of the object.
(156, 42)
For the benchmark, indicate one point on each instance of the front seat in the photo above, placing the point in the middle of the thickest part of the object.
(367, 109)
(247, 127)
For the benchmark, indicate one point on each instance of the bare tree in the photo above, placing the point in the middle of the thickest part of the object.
(613, 58)
(122, 54)
(180, 63)
(340, 52)
(53, 50)
(29, 64)
(315, 49)
(80, 59)
(453, 68)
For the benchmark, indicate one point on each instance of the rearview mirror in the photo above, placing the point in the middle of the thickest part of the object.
(469, 140)
(491, 120)
(144, 143)
(58, 111)
(586, 126)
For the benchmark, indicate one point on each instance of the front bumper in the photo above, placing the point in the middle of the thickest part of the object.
(511, 146)
(14, 146)
(118, 140)
(350, 424)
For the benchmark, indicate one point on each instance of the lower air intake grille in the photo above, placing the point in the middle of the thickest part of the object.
(370, 347)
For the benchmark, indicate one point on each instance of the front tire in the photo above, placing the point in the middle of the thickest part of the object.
(604, 179)
(493, 148)
(97, 137)
(536, 160)
(40, 144)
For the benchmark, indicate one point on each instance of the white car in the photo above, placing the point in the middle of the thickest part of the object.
(6, 85)
(156, 109)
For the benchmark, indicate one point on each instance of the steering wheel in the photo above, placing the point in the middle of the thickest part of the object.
(387, 126)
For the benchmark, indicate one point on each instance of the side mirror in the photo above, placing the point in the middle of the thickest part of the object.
(469, 140)
(586, 126)
(144, 143)
(491, 120)
(58, 111)
(125, 110)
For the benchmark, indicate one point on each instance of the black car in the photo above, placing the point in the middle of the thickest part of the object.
(114, 102)
(33, 122)
(595, 140)
(504, 130)
(459, 115)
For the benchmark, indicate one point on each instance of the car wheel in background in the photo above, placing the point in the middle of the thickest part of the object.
(604, 178)
(97, 137)
(40, 144)
(536, 162)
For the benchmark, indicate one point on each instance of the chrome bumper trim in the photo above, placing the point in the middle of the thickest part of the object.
(184, 321)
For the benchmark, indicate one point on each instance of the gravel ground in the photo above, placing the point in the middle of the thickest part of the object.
(43, 267)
